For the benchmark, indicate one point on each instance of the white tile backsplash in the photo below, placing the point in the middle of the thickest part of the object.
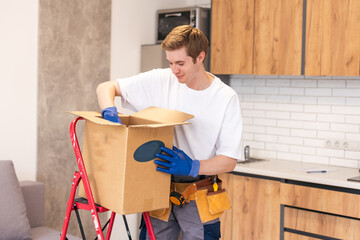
(347, 110)
(304, 99)
(330, 135)
(292, 91)
(316, 125)
(352, 119)
(307, 83)
(318, 91)
(317, 108)
(340, 118)
(292, 117)
(267, 90)
(303, 116)
(352, 128)
(277, 115)
(347, 92)
(331, 100)
(291, 124)
(291, 140)
(277, 131)
(289, 156)
(353, 83)
(331, 84)
(315, 142)
(303, 133)
(353, 101)
(278, 82)
(278, 99)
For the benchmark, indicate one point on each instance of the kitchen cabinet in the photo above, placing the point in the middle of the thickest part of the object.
(274, 208)
(255, 212)
(277, 37)
(332, 38)
(232, 30)
(286, 37)
(256, 37)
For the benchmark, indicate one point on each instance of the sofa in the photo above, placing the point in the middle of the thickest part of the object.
(22, 208)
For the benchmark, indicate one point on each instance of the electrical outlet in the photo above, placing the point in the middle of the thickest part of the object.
(352, 145)
(342, 144)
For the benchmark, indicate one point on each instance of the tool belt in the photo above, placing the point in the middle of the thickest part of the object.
(211, 199)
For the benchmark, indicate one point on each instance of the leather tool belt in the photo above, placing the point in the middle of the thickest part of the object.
(211, 204)
(179, 195)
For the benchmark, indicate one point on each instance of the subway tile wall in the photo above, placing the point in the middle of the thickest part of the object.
(298, 118)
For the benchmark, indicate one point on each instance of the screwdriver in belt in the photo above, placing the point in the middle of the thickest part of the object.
(215, 185)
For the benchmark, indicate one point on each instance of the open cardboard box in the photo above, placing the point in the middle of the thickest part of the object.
(119, 159)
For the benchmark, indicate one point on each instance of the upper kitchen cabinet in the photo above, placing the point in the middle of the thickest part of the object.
(277, 37)
(232, 36)
(286, 37)
(256, 37)
(332, 38)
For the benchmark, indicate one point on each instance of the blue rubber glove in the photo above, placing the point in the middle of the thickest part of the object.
(111, 114)
(177, 163)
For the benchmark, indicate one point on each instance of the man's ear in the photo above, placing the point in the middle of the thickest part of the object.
(201, 56)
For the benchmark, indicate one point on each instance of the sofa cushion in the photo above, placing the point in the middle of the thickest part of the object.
(45, 233)
(34, 199)
(14, 223)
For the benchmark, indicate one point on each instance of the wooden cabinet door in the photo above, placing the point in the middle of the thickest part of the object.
(232, 36)
(278, 37)
(332, 38)
(322, 224)
(255, 212)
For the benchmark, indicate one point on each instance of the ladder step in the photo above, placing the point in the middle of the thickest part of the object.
(83, 203)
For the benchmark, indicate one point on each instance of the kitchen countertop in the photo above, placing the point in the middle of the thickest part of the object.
(290, 170)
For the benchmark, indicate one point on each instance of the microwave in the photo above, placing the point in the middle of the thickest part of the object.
(168, 19)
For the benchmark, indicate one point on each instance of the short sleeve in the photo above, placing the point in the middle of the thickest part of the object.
(143, 90)
(230, 137)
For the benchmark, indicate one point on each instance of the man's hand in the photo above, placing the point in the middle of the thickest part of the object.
(177, 163)
(111, 114)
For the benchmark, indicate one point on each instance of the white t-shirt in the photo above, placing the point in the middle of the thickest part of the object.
(216, 128)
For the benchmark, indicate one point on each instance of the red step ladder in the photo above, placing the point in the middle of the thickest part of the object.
(89, 203)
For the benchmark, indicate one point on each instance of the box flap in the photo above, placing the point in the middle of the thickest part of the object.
(162, 115)
(94, 117)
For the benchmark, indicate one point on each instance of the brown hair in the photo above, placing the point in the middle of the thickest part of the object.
(192, 38)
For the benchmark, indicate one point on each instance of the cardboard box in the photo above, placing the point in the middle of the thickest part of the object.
(119, 159)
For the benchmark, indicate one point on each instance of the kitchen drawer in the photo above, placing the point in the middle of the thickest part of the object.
(322, 224)
(319, 199)
(294, 236)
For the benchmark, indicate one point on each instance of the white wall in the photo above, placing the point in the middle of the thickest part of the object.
(18, 91)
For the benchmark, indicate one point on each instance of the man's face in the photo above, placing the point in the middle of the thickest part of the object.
(182, 65)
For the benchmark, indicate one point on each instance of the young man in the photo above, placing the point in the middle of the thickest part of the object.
(209, 145)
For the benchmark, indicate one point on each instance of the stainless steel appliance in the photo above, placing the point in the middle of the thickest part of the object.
(152, 55)
(168, 19)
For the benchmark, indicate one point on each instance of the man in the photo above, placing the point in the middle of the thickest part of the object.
(209, 145)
